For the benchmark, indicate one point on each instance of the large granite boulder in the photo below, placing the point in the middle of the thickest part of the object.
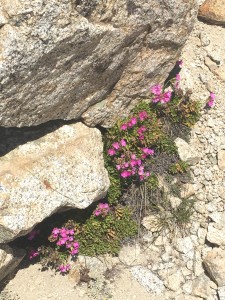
(89, 59)
(64, 169)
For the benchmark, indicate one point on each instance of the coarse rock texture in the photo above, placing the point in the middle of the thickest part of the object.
(214, 263)
(199, 263)
(213, 11)
(63, 169)
(70, 59)
(9, 259)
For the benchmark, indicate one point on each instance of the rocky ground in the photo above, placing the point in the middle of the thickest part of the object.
(188, 267)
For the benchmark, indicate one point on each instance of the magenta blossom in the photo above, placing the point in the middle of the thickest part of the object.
(166, 97)
(211, 101)
(116, 145)
(133, 156)
(64, 268)
(111, 152)
(148, 151)
(33, 253)
(180, 63)
(212, 96)
(143, 115)
(55, 231)
(156, 89)
(102, 209)
(123, 143)
(123, 127)
(133, 121)
(125, 174)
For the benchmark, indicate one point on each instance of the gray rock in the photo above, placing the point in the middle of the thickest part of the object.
(185, 246)
(63, 169)
(201, 287)
(186, 152)
(221, 292)
(61, 60)
(9, 259)
(221, 159)
(131, 255)
(174, 281)
(148, 279)
(215, 235)
(214, 262)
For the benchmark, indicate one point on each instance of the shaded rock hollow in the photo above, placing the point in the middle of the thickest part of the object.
(72, 59)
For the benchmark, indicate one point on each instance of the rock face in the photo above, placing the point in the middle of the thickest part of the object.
(213, 11)
(70, 59)
(9, 259)
(64, 168)
(214, 263)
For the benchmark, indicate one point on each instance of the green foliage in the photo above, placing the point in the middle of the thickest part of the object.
(104, 235)
(180, 109)
(115, 189)
(179, 167)
(97, 235)
(183, 213)
(152, 182)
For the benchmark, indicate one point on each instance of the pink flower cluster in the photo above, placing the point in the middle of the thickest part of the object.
(116, 146)
(65, 237)
(64, 268)
(134, 165)
(102, 210)
(133, 121)
(127, 163)
(211, 101)
(32, 235)
(161, 97)
(32, 254)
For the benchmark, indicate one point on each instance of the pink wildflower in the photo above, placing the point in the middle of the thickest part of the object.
(126, 165)
(133, 156)
(68, 245)
(156, 89)
(123, 143)
(211, 101)
(133, 121)
(123, 127)
(55, 231)
(118, 167)
(133, 163)
(64, 268)
(102, 209)
(212, 96)
(180, 63)
(111, 152)
(33, 253)
(139, 162)
(74, 251)
(166, 97)
(125, 174)
(143, 115)
(156, 99)
(116, 145)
